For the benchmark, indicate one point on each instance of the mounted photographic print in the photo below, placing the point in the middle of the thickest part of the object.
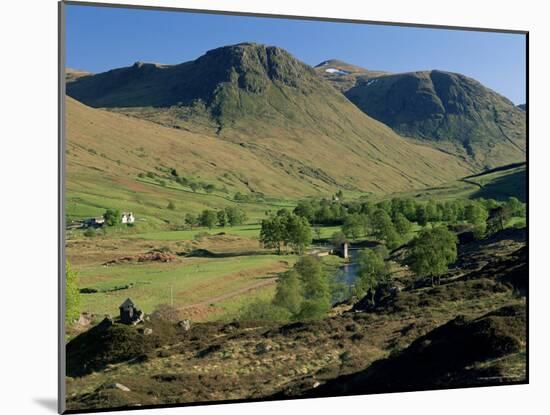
(265, 207)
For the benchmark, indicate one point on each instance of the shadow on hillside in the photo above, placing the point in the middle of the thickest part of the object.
(511, 185)
(450, 355)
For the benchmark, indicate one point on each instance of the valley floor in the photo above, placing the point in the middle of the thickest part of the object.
(480, 303)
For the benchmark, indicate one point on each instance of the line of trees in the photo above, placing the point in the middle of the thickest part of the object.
(430, 255)
(284, 230)
(232, 216)
(336, 212)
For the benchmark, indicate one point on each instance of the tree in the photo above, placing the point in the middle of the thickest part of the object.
(449, 213)
(194, 186)
(475, 213)
(315, 288)
(317, 230)
(112, 217)
(372, 270)
(432, 251)
(385, 205)
(421, 215)
(392, 238)
(381, 222)
(383, 228)
(338, 239)
(272, 233)
(498, 218)
(515, 207)
(171, 205)
(72, 294)
(190, 220)
(289, 293)
(298, 231)
(305, 209)
(353, 226)
(222, 218)
(208, 218)
(209, 188)
(235, 216)
(432, 213)
(402, 224)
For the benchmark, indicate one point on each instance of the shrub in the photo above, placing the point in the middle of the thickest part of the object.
(166, 312)
(72, 293)
(263, 310)
(111, 216)
(90, 232)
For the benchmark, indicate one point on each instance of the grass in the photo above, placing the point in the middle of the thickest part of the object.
(228, 310)
(191, 280)
(248, 231)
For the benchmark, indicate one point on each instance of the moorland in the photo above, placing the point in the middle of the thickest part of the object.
(246, 172)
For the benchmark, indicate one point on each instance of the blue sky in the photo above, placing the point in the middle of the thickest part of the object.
(99, 39)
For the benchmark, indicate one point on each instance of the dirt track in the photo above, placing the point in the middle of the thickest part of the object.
(217, 299)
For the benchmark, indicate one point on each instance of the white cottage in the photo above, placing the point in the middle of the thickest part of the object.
(128, 217)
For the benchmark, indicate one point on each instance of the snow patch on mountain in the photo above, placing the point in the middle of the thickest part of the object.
(337, 71)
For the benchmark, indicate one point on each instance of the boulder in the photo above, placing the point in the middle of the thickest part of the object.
(185, 324)
(84, 319)
(118, 386)
(263, 347)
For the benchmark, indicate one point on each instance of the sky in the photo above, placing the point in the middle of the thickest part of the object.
(99, 39)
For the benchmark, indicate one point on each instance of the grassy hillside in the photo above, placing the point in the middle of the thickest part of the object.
(499, 184)
(278, 110)
(451, 111)
(107, 152)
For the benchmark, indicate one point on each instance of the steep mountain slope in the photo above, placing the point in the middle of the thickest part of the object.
(264, 102)
(231, 90)
(453, 112)
(344, 76)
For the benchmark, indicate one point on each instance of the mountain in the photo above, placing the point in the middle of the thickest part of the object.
(343, 75)
(229, 90)
(73, 74)
(522, 107)
(451, 111)
(261, 107)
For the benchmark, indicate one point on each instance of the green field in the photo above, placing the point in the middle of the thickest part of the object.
(186, 283)
(247, 231)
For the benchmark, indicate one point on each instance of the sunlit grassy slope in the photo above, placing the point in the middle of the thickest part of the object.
(106, 152)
